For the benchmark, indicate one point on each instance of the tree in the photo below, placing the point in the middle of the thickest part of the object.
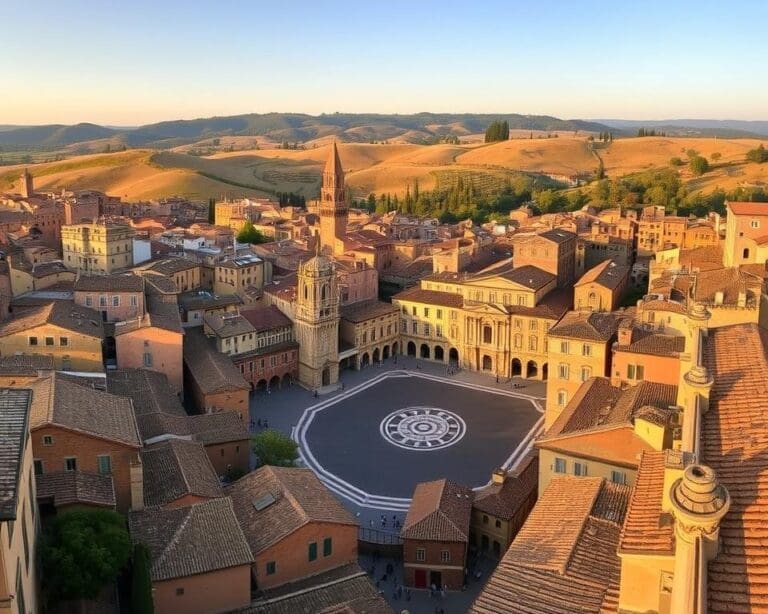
(249, 234)
(675, 161)
(211, 210)
(141, 582)
(497, 131)
(759, 155)
(273, 448)
(83, 551)
(698, 165)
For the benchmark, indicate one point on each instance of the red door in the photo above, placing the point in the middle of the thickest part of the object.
(420, 578)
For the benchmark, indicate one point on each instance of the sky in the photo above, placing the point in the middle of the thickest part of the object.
(132, 62)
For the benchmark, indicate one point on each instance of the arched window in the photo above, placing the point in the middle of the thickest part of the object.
(592, 297)
(487, 363)
(487, 334)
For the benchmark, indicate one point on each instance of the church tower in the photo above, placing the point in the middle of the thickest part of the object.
(27, 188)
(334, 211)
(316, 323)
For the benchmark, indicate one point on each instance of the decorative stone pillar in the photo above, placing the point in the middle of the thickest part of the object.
(698, 317)
(698, 384)
(699, 502)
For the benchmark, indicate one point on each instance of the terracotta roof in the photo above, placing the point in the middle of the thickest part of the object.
(590, 326)
(647, 529)
(266, 318)
(528, 276)
(60, 401)
(440, 511)
(169, 266)
(655, 344)
(109, 283)
(211, 370)
(148, 389)
(607, 274)
(219, 427)
(228, 324)
(186, 541)
(343, 590)
(564, 559)
(597, 404)
(505, 500)
(202, 299)
(14, 426)
(747, 208)
(176, 468)
(557, 235)
(290, 498)
(63, 314)
(430, 297)
(76, 487)
(734, 439)
(158, 284)
(367, 310)
(25, 364)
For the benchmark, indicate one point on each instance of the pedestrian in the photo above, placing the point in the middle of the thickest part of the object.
(315, 394)
(371, 523)
(258, 422)
(266, 424)
(497, 379)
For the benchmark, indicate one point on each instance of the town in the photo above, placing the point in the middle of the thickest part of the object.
(561, 412)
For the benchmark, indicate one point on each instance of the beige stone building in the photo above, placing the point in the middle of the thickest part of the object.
(97, 248)
(236, 275)
(19, 516)
(601, 288)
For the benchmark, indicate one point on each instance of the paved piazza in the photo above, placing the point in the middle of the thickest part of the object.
(375, 442)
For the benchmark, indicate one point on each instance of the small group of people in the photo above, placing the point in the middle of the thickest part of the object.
(259, 423)
(395, 522)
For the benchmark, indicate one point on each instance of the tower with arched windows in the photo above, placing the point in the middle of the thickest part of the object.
(333, 211)
(316, 323)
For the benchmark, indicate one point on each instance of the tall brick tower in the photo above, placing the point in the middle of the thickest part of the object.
(316, 323)
(27, 188)
(334, 211)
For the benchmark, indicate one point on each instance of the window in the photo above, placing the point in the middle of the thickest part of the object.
(426, 312)
(439, 314)
(745, 253)
(312, 551)
(115, 301)
(104, 464)
(413, 310)
(421, 554)
(755, 224)
(180, 591)
(521, 300)
(635, 372)
(586, 350)
(426, 330)
(485, 519)
(533, 342)
(563, 347)
(559, 465)
(47, 440)
(498, 524)
(487, 334)
(89, 301)
(147, 359)
(134, 300)
(102, 301)
(271, 568)
(532, 325)
(33, 341)
(414, 328)
(579, 469)
(586, 373)
(327, 546)
(445, 556)
(562, 371)
(618, 477)
(64, 341)
(49, 341)
(39, 470)
(562, 398)
(70, 463)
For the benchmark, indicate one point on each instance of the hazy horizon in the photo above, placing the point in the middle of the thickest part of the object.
(141, 62)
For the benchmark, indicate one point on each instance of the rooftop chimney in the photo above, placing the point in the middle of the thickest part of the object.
(137, 485)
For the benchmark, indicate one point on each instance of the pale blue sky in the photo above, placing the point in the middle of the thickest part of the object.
(129, 62)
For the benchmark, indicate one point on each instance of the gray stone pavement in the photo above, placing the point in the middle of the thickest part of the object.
(420, 601)
(281, 410)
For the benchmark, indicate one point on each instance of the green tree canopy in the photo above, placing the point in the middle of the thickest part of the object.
(758, 155)
(497, 131)
(141, 582)
(83, 551)
(698, 165)
(249, 234)
(273, 448)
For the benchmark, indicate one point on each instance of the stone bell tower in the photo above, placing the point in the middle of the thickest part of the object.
(316, 323)
(27, 187)
(334, 211)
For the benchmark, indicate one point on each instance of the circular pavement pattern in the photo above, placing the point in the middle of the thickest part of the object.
(422, 428)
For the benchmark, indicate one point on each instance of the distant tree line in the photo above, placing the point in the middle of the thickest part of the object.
(290, 199)
(497, 131)
(651, 132)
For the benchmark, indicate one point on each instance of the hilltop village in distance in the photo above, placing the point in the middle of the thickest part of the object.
(555, 412)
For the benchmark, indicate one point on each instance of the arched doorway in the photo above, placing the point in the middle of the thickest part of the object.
(439, 353)
(261, 386)
(544, 371)
(517, 367)
(274, 383)
(453, 356)
(376, 355)
(365, 360)
(531, 370)
(385, 352)
(395, 347)
(424, 350)
(411, 348)
(487, 363)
